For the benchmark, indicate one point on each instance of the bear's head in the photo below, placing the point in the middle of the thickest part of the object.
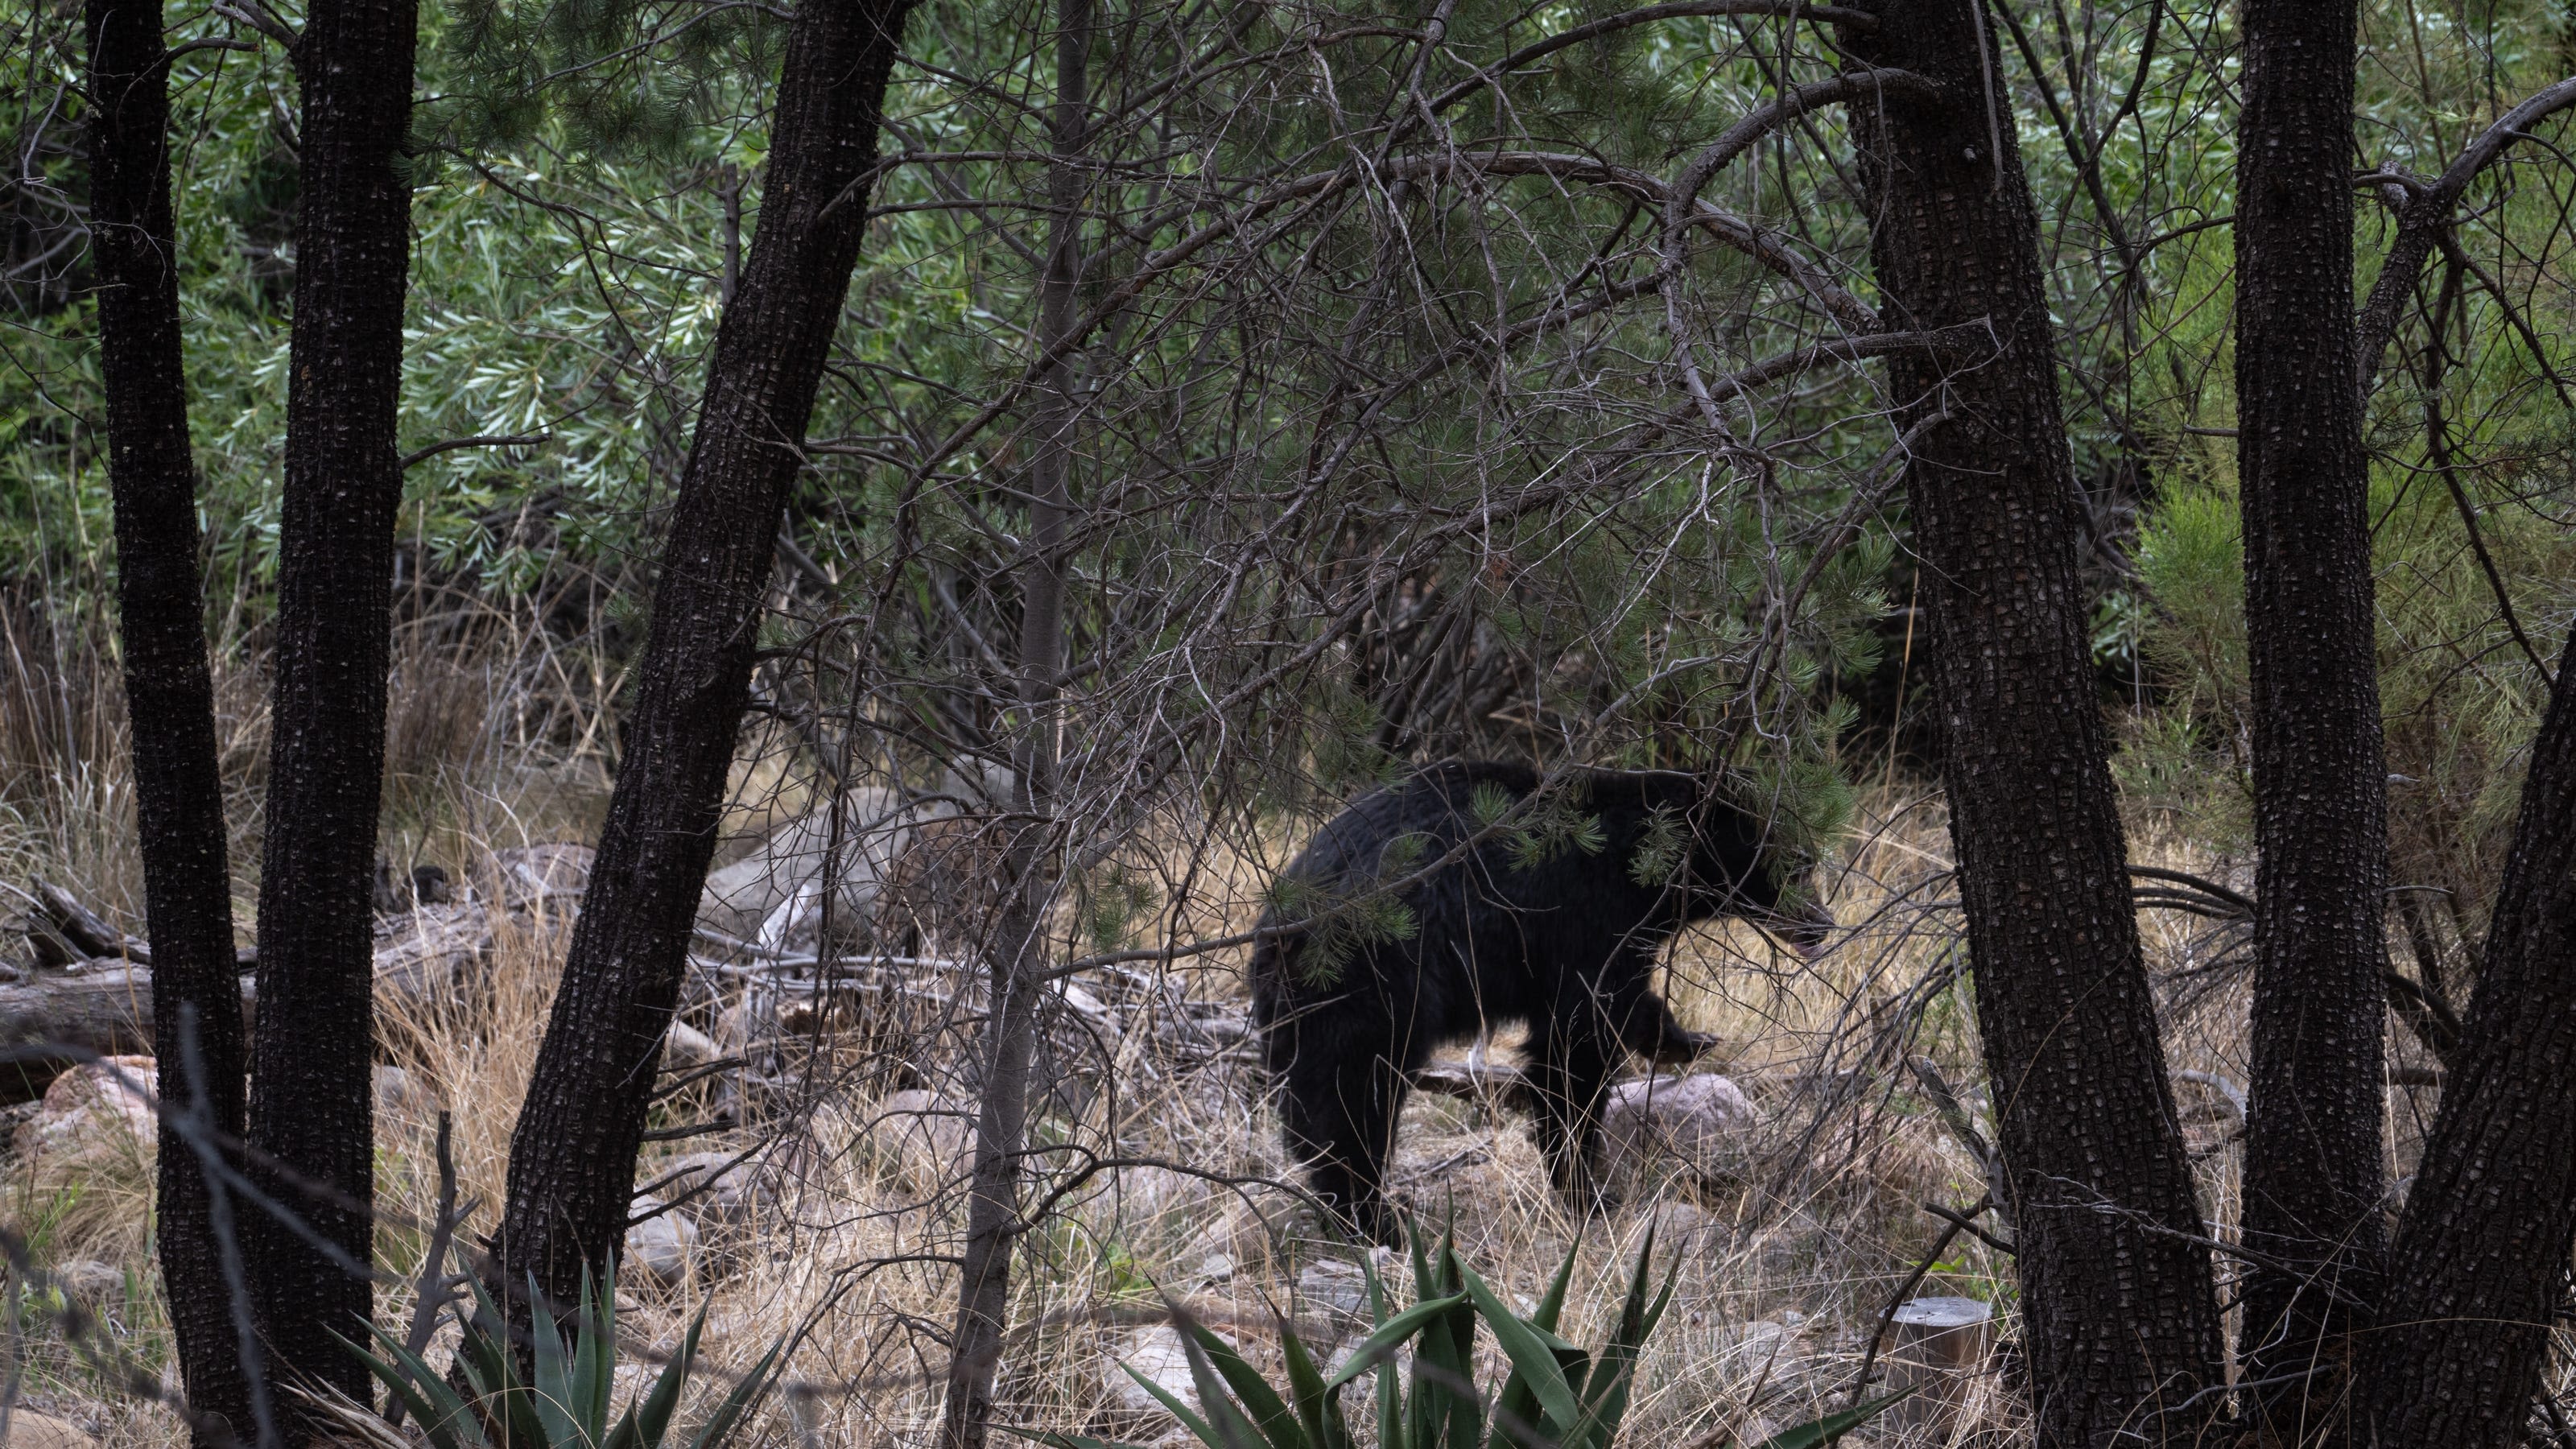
(1737, 865)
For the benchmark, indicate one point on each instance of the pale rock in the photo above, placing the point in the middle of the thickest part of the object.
(1156, 1354)
(31, 1430)
(401, 1093)
(1336, 1288)
(102, 1104)
(661, 1247)
(774, 896)
(716, 1187)
(1682, 1227)
(1699, 1123)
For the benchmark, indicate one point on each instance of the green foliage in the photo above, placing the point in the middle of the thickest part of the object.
(1663, 846)
(565, 1403)
(1556, 1394)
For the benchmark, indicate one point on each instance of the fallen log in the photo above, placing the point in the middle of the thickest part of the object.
(61, 1012)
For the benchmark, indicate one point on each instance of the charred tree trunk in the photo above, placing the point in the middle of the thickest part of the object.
(2122, 1326)
(572, 1159)
(2313, 1176)
(312, 1105)
(169, 694)
(1018, 975)
(2479, 1270)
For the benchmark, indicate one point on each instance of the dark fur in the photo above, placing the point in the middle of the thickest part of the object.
(1567, 946)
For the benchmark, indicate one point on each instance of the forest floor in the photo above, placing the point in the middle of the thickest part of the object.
(1789, 1237)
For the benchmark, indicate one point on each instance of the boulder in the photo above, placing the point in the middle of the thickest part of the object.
(773, 897)
(661, 1247)
(522, 877)
(102, 1104)
(1698, 1124)
(716, 1189)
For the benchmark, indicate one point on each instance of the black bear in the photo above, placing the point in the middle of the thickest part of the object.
(1556, 925)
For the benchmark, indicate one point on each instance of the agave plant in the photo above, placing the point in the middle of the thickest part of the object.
(1557, 1395)
(564, 1403)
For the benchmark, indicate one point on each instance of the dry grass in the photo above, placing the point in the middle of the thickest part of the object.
(1786, 1256)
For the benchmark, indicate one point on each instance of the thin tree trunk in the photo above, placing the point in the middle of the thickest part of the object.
(2479, 1270)
(312, 1104)
(2121, 1324)
(1018, 977)
(169, 694)
(2313, 1175)
(572, 1158)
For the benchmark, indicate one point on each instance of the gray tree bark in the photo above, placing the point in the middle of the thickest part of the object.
(1018, 976)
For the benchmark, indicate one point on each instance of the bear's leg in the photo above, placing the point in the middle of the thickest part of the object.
(1569, 1074)
(1650, 1030)
(1339, 1102)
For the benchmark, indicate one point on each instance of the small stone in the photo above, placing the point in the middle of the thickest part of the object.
(105, 1103)
(1156, 1354)
(1334, 1287)
(400, 1093)
(1681, 1227)
(716, 1187)
(661, 1247)
(31, 1430)
(1216, 1268)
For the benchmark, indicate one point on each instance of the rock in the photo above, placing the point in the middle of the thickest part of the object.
(399, 1093)
(773, 897)
(1335, 1288)
(1764, 1342)
(661, 1247)
(104, 1103)
(716, 1188)
(932, 1138)
(31, 1430)
(1697, 1123)
(1681, 1227)
(1157, 1355)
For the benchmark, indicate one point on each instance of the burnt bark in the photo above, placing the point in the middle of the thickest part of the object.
(1018, 979)
(311, 1100)
(169, 693)
(2313, 1175)
(572, 1158)
(2121, 1324)
(2479, 1268)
